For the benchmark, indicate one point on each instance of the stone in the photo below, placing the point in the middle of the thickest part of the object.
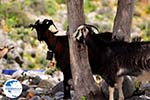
(128, 88)
(59, 95)
(46, 98)
(138, 98)
(58, 87)
(46, 84)
(35, 98)
(35, 80)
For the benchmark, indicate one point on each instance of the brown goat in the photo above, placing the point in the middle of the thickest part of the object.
(59, 45)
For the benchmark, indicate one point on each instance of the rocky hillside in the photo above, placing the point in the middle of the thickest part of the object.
(16, 15)
(29, 54)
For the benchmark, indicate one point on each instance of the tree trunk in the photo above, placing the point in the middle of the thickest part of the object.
(84, 84)
(123, 20)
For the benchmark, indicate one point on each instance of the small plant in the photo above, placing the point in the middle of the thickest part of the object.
(147, 9)
(65, 25)
(51, 71)
(83, 98)
(31, 65)
(88, 6)
(51, 7)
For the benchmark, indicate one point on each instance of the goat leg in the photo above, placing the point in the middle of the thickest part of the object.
(119, 87)
(111, 92)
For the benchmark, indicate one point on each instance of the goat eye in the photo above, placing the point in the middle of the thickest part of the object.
(47, 22)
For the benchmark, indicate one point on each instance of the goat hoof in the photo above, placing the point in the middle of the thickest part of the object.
(121, 98)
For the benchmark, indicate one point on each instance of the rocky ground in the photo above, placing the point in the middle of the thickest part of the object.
(39, 86)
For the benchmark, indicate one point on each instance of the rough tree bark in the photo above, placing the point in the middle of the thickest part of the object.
(84, 84)
(123, 20)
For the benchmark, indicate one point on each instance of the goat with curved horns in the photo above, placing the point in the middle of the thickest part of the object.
(115, 59)
(60, 46)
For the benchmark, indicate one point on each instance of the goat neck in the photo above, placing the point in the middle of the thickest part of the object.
(51, 41)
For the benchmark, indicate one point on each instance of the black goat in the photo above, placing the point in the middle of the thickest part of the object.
(60, 46)
(114, 59)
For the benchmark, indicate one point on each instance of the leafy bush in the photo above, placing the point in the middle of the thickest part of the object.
(88, 6)
(31, 66)
(38, 6)
(51, 71)
(148, 8)
(13, 14)
(41, 61)
(60, 1)
(65, 25)
(51, 7)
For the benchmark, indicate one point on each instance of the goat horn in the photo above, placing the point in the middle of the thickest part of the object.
(37, 22)
(53, 24)
(93, 27)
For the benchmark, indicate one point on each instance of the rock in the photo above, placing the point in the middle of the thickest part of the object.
(1, 97)
(21, 98)
(59, 95)
(146, 88)
(46, 84)
(57, 76)
(128, 88)
(16, 55)
(5, 98)
(35, 80)
(17, 74)
(58, 87)
(31, 52)
(35, 98)
(40, 91)
(46, 98)
(1, 90)
(139, 98)
(144, 97)
(25, 87)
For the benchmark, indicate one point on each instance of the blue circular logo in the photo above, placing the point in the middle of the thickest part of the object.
(12, 88)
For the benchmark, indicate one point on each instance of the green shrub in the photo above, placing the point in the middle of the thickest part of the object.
(83, 98)
(41, 61)
(13, 14)
(88, 7)
(51, 71)
(148, 8)
(65, 25)
(51, 7)
(60, 1)
(31, 65)
(141, 26)
(99, 17)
